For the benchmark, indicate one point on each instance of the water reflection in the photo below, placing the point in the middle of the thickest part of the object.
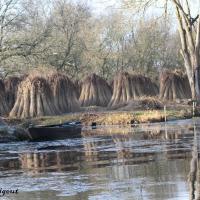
(11, 163)
(51, 161)
(92, 156)
(194, 174)
(145, 162)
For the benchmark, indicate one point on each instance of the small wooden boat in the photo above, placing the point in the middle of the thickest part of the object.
(55, 132)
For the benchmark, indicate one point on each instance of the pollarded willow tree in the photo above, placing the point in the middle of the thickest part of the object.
(189, 30)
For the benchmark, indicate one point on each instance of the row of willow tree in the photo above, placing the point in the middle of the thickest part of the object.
(70, 37)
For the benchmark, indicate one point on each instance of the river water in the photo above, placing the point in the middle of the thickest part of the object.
(156, 162)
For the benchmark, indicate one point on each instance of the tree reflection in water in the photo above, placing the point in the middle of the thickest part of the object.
(128, 148)
(149, 160)
(194, 174)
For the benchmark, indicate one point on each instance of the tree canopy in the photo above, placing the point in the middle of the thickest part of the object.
(70, 37)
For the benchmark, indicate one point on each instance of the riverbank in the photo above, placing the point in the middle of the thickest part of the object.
(95, 115)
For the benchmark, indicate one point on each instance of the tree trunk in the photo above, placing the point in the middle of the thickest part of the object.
(190, 42)
(194, 76)
(191, 80)
(196, 79)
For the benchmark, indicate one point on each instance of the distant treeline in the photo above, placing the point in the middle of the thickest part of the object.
(67, 36)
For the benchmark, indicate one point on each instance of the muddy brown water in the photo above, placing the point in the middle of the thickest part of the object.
(152, 162)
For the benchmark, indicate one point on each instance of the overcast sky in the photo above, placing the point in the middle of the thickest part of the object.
(105, 6)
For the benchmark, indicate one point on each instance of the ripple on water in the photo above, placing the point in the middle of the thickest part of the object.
(146, 162)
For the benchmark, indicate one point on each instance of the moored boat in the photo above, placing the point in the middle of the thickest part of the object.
(55, 131)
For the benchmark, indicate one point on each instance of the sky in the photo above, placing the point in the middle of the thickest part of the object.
(101, 7)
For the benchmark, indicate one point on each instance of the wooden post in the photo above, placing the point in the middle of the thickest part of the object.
(193, 108)
(165, 112)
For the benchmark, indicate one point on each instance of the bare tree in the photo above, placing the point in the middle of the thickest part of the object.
(189, 31)
(67, 21)
(22, 31)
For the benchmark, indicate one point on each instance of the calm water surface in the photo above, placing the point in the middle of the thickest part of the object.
(155, 162)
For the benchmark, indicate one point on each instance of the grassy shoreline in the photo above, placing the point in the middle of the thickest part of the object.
(108, 117)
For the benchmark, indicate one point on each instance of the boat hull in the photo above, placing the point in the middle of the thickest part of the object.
(54, 133)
